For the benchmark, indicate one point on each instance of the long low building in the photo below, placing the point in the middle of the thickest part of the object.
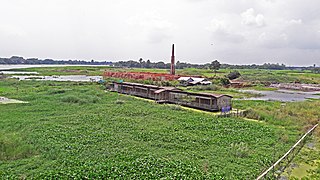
(205, 101)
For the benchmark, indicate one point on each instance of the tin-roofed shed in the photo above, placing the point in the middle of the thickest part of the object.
(205, 101)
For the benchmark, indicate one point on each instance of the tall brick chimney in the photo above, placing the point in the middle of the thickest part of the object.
(173, 69)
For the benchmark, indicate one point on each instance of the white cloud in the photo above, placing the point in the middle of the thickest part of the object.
(249, 18)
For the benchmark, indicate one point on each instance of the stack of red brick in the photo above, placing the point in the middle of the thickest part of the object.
(141, 75)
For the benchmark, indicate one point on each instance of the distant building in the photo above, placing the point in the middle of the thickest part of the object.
(190, 81)
(205, 101)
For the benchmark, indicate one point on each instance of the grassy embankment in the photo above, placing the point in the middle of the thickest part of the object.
(74, 130)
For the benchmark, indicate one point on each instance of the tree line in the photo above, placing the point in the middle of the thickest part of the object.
(214, 65)
(181, 65)
(21, 60)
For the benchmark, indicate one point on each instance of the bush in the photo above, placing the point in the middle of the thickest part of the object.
(13, 147)
(233, 75)
(224, 81)
(56, 91)
(251, 114)
(118, 101)
(240, 150)
(175, 107)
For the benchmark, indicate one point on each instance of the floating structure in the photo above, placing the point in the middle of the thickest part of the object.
(204, 101)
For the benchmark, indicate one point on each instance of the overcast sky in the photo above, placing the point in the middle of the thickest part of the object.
(232, 31)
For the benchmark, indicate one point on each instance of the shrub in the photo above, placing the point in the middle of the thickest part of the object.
(224, 81)
(12, 147)
(251, 114)
(119, 101)
(56, 91)
(240, 149)
(233, 75)
(175, 107)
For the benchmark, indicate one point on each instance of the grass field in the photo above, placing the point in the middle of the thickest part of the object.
(77, 130)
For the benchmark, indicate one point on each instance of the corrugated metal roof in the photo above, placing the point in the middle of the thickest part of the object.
(138, 84)
(203, 94)
(174, 89)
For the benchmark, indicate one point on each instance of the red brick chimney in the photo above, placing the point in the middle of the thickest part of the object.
(173, 69)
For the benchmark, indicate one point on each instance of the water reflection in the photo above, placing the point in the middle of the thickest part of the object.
(77, 78)
(283, 95)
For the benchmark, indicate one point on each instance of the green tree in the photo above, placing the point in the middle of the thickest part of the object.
(215, 66)
(148, 64)
(140, 62)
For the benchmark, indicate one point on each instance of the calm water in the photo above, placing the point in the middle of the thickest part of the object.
(283, 95)
(76, 78)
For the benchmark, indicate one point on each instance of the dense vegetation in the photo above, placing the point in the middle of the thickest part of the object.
(77, 130)
(21, 60)
(215, 65)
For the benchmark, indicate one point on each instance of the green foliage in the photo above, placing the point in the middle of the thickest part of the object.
(68, 136)
(240, 149)
(12, 147)
(224, 81)
(215, 65)
(56, 91)
(233, 75)
(316, 70)
(82, 99)
(118, 101)
(175, 107)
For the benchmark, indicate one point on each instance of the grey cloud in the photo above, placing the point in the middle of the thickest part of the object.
(123, 29)
(157, 36)
(221, 32)
(155, 27)
(294, 34)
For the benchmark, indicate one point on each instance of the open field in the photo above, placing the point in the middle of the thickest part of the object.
(75, 130)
